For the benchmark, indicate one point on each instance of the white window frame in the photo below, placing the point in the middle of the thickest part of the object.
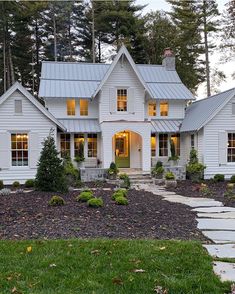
(118, 89)
(229, 162)
(22, 150)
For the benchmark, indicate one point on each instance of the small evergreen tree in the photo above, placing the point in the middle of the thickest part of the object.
(50, 173)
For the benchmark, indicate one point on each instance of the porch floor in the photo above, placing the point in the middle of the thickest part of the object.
(132, 171)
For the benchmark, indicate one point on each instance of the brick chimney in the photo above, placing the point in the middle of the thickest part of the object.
(168, 59)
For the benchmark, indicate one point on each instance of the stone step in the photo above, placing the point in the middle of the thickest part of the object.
(141, 181)
(139, 176)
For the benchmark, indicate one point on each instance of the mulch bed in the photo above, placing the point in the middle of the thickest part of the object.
(191, 189)
(28, 216)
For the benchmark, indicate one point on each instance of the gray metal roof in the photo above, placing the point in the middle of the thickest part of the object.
(202, 111)
(80, 79)
(166, 125)
(81, 125)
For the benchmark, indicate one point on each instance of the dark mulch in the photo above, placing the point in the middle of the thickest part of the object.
(27, 216)
(191, 189)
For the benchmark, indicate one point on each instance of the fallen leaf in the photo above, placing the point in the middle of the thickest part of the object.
(14, 290)
(162, 248)
(140, 270)
(95, 252)
(52, 265)
(117, 281)
(29, 249)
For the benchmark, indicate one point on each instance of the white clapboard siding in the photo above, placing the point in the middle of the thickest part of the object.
(131, 100)
(112, 100)
(5, 147)
(122, 76)
(32, 121)
(215, 138)
(58, 107)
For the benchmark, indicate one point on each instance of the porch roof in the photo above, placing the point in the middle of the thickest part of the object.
(166, 125)
(81, 125)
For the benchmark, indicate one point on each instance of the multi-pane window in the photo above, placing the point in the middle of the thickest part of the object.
(92, 145)
(164, 108)
(152, 108)
(71, 106)
(122, 100)
(175, 140)
(83, 107)
(192, 141)
(153, 145)
(231, 147)
(19, 149)
(79, 145)
(163, 144)
(65, 145)
(18, 106)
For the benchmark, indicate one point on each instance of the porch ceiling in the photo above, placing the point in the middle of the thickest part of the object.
(81, 125)
(166, 126)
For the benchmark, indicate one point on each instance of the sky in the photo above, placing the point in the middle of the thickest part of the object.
(228, 68)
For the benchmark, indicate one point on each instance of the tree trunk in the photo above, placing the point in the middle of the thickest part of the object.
(93, 31)
(55, 37)
(11, 66)
(70, 41)
(206, 50)
(4, 61)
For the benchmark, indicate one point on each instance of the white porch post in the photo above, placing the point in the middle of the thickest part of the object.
(107, 149)
(146, 152)
(72, 146)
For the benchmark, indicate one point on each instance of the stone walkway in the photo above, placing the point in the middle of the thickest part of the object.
(216, 222)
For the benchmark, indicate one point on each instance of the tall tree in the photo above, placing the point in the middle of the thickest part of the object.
(188, 42)
(208, 12)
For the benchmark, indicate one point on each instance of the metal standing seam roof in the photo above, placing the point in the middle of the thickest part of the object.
(166, 125)
(81, 125)
(80, 79)
(200, 112)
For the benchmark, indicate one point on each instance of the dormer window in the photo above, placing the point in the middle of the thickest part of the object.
(164, 109)
(18, 106)
(122, 100)
(71, 105)
(152, 108)
(83, 107)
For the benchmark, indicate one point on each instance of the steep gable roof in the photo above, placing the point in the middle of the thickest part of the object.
(83, 80)
(17, 86)
(201, 112)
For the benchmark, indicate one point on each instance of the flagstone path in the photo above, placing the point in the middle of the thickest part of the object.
(216, 222)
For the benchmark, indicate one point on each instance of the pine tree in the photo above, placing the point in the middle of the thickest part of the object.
(50, 173)
(188, 42)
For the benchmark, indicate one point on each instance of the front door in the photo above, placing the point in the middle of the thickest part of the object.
(122, 149)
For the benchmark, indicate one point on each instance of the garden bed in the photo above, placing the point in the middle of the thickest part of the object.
(191, 189)
(28, 216)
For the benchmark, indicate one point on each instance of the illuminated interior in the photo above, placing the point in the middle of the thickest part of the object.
(122, 100)
(122, 144)
(176, 140)
(164, 108)
(71, 105)
(83, 107)
(153, 145)
(152, 109)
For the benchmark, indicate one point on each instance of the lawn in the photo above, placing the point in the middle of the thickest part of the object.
(106, 266)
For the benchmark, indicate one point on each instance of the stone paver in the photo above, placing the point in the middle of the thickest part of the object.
(225, 270)
(216, 224)
(223, 215)
(214, 209)
(221, 251)
(220, 236)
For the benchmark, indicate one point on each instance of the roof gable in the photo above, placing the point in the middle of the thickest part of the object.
(201, 112)
(122, 52)
(17, 86)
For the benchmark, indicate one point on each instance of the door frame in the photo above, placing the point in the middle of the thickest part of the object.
(122, 162)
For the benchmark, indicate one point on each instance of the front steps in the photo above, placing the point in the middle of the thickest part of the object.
(140, 179)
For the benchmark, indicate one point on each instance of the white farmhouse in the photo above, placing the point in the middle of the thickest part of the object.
(122, 112)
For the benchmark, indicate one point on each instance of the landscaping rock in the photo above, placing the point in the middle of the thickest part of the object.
(220, 236)
(221, 251)
(216, 224)
(225, 270)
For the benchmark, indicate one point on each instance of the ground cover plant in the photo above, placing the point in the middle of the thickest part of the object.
(107, 266)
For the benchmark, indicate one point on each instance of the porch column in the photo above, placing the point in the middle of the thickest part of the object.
(107, 150)
(72, 146)
(146, 152)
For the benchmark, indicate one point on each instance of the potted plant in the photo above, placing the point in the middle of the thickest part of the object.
(173, 159)
(170, 180)
(112, 171)
(79, 158)
(194, 168)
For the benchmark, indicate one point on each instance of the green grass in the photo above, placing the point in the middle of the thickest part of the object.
(106, 266)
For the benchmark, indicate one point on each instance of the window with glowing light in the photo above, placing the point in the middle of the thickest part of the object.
(19, 149)
(175, 139)
(83, 107)
(65, 145)
(92, 145)
(122, 100)
(71, 105)
(79, 145)
(152, 108)
(163, 144)
(231, 147)
(153, 145)
(164, 108)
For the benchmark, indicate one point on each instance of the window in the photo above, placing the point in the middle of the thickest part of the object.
(192, 141)
(19, 149)
(175, 140)
(231, 147)
(122, 100)
(65, 145)
(79, 145)
(163, 145)
(152, 109)
(92, 145)
(153, 145)
(164, 107)
(71, 105)
(83, 107)
(18, 106)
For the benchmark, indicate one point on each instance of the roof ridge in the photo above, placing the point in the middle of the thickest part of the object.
(210, 97)
(74, 62)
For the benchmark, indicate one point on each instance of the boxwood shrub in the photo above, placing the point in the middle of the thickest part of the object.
(56, 201)
(95, 202)
(218, 178)
(85, 196)
(121, 200)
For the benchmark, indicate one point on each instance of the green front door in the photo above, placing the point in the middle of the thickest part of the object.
(122, 149)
